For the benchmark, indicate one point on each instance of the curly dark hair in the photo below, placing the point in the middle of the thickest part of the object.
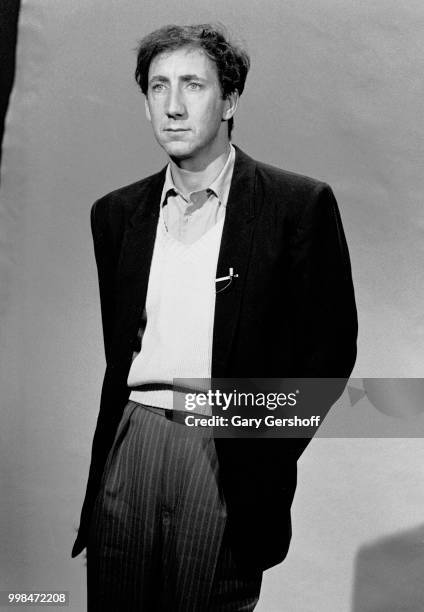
(232, 62)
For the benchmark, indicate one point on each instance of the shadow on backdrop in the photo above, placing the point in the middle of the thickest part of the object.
(388, 574)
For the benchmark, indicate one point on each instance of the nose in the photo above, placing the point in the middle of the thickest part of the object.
(175, 107)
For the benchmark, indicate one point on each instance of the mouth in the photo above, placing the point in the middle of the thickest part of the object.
(176, 130)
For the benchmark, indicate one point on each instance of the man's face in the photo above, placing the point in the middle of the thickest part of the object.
(185, 106)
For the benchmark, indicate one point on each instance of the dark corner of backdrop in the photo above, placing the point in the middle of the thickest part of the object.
(9, 13)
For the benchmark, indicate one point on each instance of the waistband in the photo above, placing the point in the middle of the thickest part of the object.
(177, 416)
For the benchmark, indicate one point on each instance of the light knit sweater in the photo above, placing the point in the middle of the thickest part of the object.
(180, 306)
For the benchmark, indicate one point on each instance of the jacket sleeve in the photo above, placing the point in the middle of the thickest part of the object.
(106, 257)
(324, 310)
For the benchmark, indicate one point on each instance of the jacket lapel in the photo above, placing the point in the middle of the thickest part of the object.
(137, 251)
(234, 253)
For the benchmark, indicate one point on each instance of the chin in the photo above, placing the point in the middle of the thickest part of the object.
(179, 150)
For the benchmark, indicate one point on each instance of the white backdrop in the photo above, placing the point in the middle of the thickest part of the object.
(335, 92)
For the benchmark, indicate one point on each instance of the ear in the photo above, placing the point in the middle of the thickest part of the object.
(231, 103)
(146, 108)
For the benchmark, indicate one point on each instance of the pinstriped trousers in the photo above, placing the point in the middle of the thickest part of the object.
(157, 540)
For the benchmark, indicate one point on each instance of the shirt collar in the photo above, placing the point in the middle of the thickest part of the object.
(220, 186)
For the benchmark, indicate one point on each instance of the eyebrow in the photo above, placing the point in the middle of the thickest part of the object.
(183, 77)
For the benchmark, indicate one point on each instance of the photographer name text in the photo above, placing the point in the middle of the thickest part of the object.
(237, 420)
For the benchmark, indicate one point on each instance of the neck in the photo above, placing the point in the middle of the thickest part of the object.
(196, 179)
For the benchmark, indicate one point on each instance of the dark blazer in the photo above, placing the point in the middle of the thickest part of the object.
(291, 313)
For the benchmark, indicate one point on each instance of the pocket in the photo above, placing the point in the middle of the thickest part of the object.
(121, 432)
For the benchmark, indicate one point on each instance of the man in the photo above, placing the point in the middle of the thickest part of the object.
(177, 522)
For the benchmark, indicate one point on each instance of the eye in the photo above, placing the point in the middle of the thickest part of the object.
(193, 85)
(158, 87)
